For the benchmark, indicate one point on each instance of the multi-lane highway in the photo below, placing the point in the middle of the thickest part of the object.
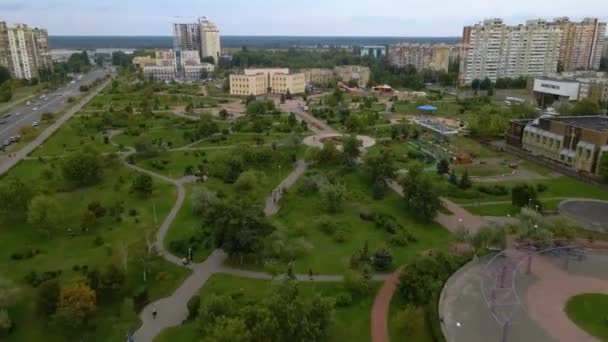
(54, 102)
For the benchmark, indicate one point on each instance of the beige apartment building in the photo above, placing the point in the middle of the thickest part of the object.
(347, 73)
(210, 36)
(319, 76)
(142, 61)
(263, 81)
(24, 50)
(576, 141)
(494, 50)
(421, 56)
(581, 44)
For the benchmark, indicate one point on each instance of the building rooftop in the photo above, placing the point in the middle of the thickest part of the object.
(596, 123)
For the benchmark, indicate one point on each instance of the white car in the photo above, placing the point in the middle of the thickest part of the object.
(17, 114)
(35, 124)
(35, 109)
(28, 103)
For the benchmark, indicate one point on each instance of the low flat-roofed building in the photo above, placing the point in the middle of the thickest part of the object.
(160, 73)
(575, 141)
(142, 61)
(263, 81)
(347, 73)
(563, 90)
(373, 50)
(319, 76)
(193, 73)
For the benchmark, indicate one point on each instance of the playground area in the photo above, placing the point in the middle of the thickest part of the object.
(520, 295)
(589, 214)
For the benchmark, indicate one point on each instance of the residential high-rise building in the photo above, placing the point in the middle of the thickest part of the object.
(581, 44)
(373, 50)
(24, 50)
(494, 50)
(202, 36)
(169, 65)
(210, 36)
(187, 37)
(421, 56)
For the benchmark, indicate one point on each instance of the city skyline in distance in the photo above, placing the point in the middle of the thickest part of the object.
(391, 18)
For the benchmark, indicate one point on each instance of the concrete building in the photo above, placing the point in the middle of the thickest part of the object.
(24, 50)
(572, 87)
(373, 50)
(210, 35)
(494, 50)
(581, 43)
(264, 81)
(347, 73)
(421, 56)
(187, 37)
(605, 50)
(179, 65)
(578, 141)
(318, 76)
(202, 36)
(142, 61)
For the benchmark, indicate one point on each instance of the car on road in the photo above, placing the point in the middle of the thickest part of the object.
(6, 143)
(35, 123)
(35, 109)
(28, 103)
(17, 114)
(2, 122)
(6, 116)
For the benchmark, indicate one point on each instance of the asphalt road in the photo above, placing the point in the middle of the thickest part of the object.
(55, 102)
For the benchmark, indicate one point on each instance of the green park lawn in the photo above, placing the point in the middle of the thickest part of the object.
(300, 213)
(589, 312)
(351, 323)
(96, 248)
(72, 137)
(245, 138)
(483, 170)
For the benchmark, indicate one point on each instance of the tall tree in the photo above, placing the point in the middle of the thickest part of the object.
(421, 195)
(45, 212)
(77, 302)
(83, 168)
(604, 166)
(351, 150)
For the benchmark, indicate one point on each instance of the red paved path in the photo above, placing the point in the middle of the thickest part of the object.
(380, 311)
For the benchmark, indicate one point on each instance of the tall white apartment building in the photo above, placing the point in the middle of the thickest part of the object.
(210, 35)
(202, 36)
(581, 44)
(24, 50)
(494, 50)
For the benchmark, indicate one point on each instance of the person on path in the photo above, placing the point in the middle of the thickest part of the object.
(154, 312)
(310, 274)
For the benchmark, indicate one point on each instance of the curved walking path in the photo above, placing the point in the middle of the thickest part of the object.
(546, 301)
(380, 310)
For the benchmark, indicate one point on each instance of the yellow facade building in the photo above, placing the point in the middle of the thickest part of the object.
(263, 81)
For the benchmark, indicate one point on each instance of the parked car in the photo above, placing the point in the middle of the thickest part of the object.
(17, 114)
(35, 123)
(28, 103)
(35, 109)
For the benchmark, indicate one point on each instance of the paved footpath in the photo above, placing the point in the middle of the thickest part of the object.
(380, 310)
(7, 163)
(271, 207)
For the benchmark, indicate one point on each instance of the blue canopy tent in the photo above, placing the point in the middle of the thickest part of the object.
(427, 109)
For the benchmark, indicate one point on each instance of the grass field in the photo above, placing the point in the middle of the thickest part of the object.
(299, 215)
(351, 323)
(96, 248)
(589, 311)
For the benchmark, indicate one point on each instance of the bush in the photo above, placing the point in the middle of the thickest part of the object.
(46, 300)
(495, 190)
(541, 187)
(326, 225)
(193, 305)
(344, 299)
(6, 324)
(355, 283)
(382, 259)
(410, 321)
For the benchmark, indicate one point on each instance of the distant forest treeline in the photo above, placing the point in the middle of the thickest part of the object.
(269, 42)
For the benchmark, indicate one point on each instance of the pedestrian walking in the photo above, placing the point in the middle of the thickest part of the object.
(310, 274)
(154, 312)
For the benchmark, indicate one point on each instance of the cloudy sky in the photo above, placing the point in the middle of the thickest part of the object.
(287, 17)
